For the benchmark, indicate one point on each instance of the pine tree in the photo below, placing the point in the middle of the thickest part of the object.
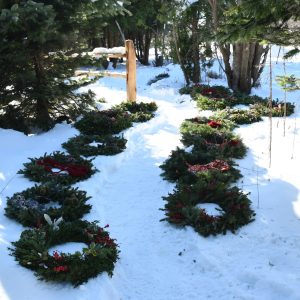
(37, 41)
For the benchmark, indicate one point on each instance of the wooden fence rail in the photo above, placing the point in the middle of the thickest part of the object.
(130, 75)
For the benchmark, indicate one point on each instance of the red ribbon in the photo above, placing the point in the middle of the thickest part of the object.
(214, 124)
(217, 164)
(73, 170)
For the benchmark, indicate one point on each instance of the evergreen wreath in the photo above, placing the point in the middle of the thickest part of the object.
(277, 108)
(100, 255)
(58, 167)
(217, 144)
(104, 122)
(209, 103)
(138, 112)
(212, 97)
(181, 208)
(28, 207)
(177, 168)
(92, 145)
(198, 125)
(239, 116)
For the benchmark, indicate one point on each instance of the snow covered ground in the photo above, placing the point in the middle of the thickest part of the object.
(158, 261)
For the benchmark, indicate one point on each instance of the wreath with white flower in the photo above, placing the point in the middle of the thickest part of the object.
(100, 254)
(28, 207)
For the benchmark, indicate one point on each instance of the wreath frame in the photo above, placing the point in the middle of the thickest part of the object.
(101, 254)
(28, 207)
(37, 169)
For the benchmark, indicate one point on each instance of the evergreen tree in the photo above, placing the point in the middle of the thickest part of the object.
(37, 40)
(272, 21)
(190, 39)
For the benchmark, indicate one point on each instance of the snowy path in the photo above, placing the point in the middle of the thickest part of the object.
(158, 261)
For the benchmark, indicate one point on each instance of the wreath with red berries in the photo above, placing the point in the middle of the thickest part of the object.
(59, 168)
(198, 125)
(29, 206)
(182, 207)
(100, 254)
(218, 144)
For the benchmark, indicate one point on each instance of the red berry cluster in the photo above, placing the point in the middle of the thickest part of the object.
(101, 237)
(61, 269)
(214, 124)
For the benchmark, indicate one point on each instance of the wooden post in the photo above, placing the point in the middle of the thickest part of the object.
(131, 71)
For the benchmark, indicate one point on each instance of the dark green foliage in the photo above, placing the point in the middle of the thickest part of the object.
(28, 207)
(186, 90)
(69, 169)
(138, 112)
(291, 53)
(100, 255)
(239, 116)
(288, 83)
(208, 103)
(219, 97)
(204, 172)
(219, 145)
(270, 20)
(104, 145)
(158, 77)
(181, 208)
(37, 43)
(36, 83)
(212, 98)
(277, 108)
(202, 125)
(104, 122)
(190, 35)
(175, 168)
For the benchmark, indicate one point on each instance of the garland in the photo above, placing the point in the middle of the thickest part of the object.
(28, 207)
(58, 167)
(100, 255)
(92, 145)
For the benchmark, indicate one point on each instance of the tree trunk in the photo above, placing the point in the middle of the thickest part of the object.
(175, 38)
(247, 65)
(43, 118)
(247, 62)
(196, 76)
